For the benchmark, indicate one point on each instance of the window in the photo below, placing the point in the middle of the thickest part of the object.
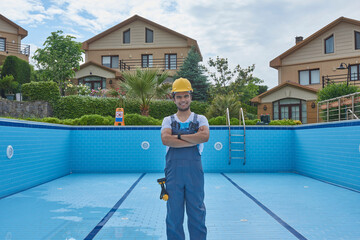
(329, 44)
(170, 61)
(146, 61)
(290, 108)
(354, 72)
(94, 82)
(110, 61)
(149, 35)
(126, 36)
(308, 77)
(357, 40)
(2, 44)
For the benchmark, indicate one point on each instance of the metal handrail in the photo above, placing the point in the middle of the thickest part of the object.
(243, 119)
(349, 110)
(228, 123)
(336, 98)
(10, 47)
(333, 108)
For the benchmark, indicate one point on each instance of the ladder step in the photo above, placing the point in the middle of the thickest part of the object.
(236, 150)
(237, 158)
(236, 142)
(237, 135)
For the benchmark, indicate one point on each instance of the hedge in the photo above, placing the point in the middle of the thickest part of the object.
(41, 91)
(221, 120)
(95, 119)
(77, 106)
(137, 119)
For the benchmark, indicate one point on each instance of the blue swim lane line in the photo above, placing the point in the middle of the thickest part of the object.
(99, 226)
(268, 211)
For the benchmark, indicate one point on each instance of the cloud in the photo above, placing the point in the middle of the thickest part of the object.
(246, 32)
(24, 11)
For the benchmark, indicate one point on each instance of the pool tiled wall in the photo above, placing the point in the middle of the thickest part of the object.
(43, 152)
(330, 152)
(109, 150)
(40, 155)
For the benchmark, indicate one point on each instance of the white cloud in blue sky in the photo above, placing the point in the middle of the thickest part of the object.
(246, 32)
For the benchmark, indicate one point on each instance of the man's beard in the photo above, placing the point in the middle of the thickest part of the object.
(184, 109)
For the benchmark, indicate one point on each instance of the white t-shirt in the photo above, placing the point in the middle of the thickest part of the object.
(200, 118)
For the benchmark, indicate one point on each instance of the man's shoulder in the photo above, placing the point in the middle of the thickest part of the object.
(202, 117)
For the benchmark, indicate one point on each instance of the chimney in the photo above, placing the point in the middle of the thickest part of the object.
(298, 39)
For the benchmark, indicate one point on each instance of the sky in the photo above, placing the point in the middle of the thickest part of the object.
(245, 32)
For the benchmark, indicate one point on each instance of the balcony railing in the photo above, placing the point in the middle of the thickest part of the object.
(132, 64)
(10, 47)
(349, 79)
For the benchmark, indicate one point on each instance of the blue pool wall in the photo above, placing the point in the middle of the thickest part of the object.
(119, 150)
(40, 155)
(43, 152)
(330, 152)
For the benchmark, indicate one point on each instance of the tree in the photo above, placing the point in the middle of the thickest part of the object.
(59, 57)
(194, 72)
(262, 89)
(336, 90)
(8, 84)
(19, 69)
(146, 84)
(238, 81)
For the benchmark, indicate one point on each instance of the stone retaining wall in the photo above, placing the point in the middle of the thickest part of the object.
(18, 109)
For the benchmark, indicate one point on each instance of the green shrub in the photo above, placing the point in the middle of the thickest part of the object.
(78, 106)
(251, 122)
(41, 91)
(285, 122)
(93, 119)
(18, 68)
(221, 120)
(160, 109)
(137, 119)
(51, 120)
(336, 90)
(8, 84)
(249, 109)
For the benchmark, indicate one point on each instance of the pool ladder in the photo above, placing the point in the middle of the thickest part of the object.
(237, 144)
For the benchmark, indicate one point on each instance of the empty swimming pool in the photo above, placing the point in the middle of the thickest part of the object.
(100, 183)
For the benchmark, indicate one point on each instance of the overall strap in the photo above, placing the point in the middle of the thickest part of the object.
(175, 126)
(195, 118)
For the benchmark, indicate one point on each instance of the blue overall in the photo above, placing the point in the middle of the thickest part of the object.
(185, 185)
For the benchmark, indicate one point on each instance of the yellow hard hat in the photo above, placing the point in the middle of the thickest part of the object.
(181, 85)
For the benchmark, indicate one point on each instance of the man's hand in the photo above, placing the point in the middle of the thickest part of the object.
(172, 141)
(186, 140)
(200, 137)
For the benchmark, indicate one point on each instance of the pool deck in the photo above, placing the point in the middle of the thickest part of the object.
(246, 206)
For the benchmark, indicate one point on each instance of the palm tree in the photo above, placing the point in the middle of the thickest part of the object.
(146, 84)
(221, 102)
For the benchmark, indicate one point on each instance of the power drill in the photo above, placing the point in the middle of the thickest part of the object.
(164, 194)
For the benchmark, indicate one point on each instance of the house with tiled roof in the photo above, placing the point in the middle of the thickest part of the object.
(330, 55)
(11, 35)
(134, 43)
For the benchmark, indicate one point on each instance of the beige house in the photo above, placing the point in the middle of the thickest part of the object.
(312, 63)
(133, 43)
(11, 35)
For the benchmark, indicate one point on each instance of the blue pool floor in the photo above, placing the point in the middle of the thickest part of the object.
(239, 206)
